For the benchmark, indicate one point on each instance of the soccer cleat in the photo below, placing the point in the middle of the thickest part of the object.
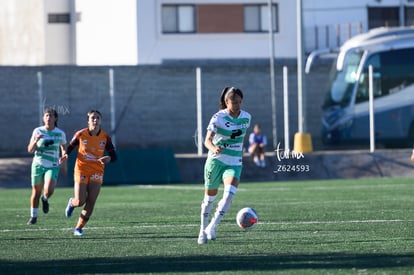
(211, 234)
(78, 232)
(202, 237)
(69, 209)
(32, 220)
(45, 205)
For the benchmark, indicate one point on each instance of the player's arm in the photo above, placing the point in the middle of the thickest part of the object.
(33, 143)
(72, 145)
(63, 149)
(63, 144)
(110, 148)
(208, 143)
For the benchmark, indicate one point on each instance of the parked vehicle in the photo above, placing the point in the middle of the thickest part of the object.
(345, 116)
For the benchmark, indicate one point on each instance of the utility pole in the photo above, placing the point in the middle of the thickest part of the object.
(302, 141)
(272, 74)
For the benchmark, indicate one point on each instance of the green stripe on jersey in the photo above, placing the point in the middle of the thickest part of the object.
(237, 121)
(232, 153)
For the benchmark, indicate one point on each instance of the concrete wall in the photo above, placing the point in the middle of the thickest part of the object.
(155, 105)
(322, 165)
(326, 165)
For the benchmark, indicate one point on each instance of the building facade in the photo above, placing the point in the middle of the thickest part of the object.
(139, 32)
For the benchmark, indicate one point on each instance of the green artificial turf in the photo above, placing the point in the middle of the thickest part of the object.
(363, 226)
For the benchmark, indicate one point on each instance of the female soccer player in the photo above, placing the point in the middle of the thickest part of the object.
(92, 143)
(46, 143)
(224, 141)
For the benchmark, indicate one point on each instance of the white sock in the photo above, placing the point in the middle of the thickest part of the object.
(33, 212)
(223, 206)
(206, 207)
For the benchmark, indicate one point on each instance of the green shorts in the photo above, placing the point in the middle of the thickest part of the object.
(215, 171)
(40, 173)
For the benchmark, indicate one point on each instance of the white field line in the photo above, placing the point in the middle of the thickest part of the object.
(282, 188)
(197, 225)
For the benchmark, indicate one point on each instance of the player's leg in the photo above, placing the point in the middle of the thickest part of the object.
(231, 181)
(207, 206)
(50, 179)
(93, 193)
(37, 174)
(212, 179)
(80, 192)
(222, 208)
(34, 202)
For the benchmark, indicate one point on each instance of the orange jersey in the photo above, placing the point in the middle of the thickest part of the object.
(91, 148)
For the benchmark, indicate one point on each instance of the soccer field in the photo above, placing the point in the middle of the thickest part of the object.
(363, 226)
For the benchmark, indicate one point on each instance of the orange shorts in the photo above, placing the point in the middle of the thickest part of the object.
(85, 178)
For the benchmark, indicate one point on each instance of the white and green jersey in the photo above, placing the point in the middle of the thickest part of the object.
(229, 135)
(48, 147)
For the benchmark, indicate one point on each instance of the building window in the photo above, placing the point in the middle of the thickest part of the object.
(218, 18)
(256, 18)
(178, 19)
(58, 18)
(409, 16)
(383, 17)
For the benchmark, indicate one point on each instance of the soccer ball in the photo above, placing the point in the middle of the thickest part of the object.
(247, 218)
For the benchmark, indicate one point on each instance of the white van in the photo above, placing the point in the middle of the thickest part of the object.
(345, 116)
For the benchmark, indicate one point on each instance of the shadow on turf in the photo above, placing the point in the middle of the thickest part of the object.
(209, 264)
